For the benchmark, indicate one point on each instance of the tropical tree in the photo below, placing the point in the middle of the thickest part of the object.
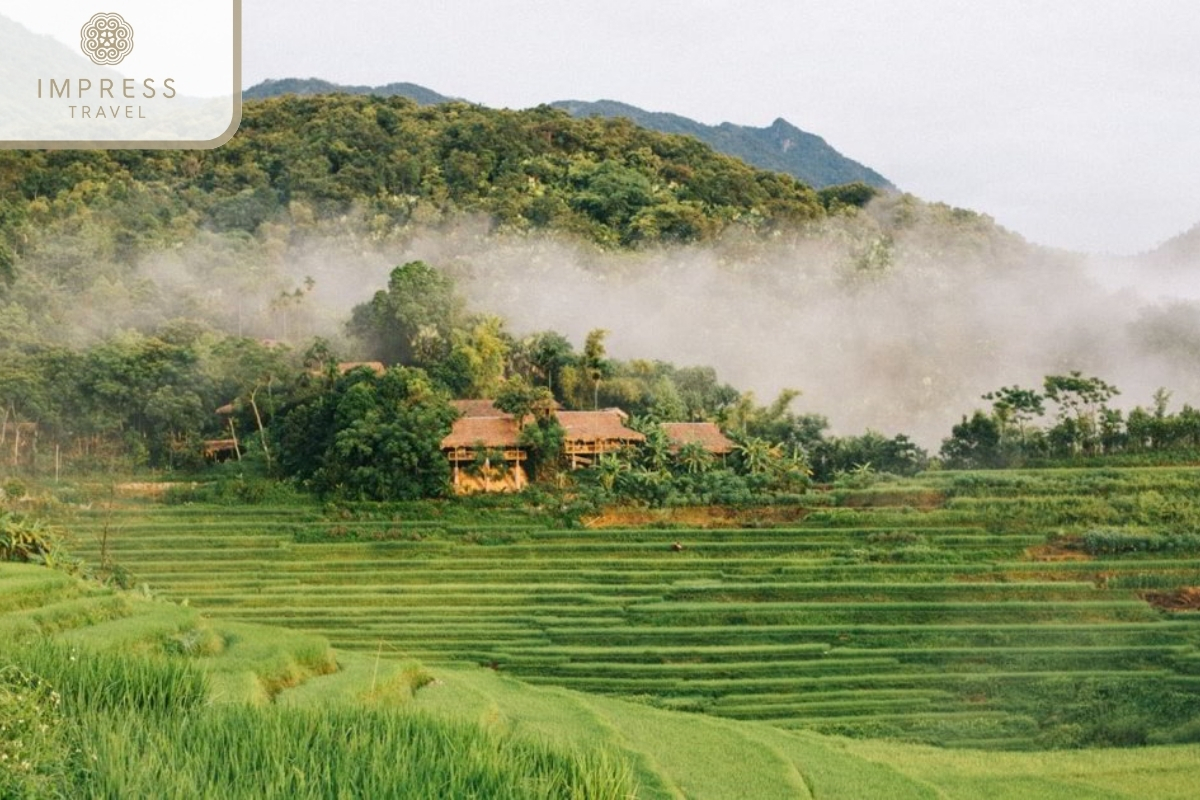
(1081, 400)
(546, 354)
(693, 458)
(758, 456)
(594, 361)
(483, 349)
(974, 443)
(654, 454)
(517, 397)
(609, 468)
(1014, 407)
(419, 301)
(369, 437)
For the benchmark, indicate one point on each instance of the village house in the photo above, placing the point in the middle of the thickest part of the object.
(705, 434)
(485, 451)
(589, 434)
(345, 366)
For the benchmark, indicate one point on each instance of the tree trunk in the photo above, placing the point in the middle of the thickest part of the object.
(262, 433)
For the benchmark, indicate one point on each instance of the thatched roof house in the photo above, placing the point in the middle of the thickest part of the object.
(484, 431)
(483, 427)
(375, 366)
(477, 408)
(705, 434)
(220, 449)
(590, 433)
(488, 432)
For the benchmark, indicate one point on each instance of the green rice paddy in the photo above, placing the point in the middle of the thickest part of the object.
(953, 620)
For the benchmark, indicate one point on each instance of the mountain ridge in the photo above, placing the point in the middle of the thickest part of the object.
(780, 147)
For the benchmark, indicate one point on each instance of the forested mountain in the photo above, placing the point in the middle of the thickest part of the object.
(168, 269)
(781, 147)
(606, 180)
(311, 86)
(141, 289)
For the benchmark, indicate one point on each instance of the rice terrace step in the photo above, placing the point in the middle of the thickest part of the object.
(925, 611)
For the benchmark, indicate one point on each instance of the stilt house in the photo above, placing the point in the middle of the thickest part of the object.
(484, 449)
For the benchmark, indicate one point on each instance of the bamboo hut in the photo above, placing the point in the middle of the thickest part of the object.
(705, 434)
(484, 449)
(589, 434)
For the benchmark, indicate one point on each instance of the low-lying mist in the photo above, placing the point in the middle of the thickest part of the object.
(898, 328)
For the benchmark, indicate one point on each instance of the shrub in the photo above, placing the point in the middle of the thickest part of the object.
(1113, 542)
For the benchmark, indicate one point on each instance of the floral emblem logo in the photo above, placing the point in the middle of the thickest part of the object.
(106, 39)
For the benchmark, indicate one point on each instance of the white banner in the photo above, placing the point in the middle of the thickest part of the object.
(119, 73)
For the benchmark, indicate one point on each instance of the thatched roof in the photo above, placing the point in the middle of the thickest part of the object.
(705, 434)
(495, 432)
(481, 423)
(478, 408)
(214, 446)
(375, 366)
(595, 425)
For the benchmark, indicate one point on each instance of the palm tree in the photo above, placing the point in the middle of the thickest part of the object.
(610, 467)
(758, 456)
(694, 458)
(594, 362)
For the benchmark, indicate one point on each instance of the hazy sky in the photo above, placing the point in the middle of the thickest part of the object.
(1074, 123)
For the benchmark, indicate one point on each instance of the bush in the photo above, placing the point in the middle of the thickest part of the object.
(1112, 542)
(235, 491)
(26, 540)
(12, 489)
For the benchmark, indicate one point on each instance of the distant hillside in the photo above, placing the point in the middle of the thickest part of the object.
(782, 147)
(1179, 252)
(310, 86)
(605, 180)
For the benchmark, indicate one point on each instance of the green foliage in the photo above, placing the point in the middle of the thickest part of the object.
(237, 752)
(410, 322)
(543, 441)
(146, 397)
(29, 540)
(608, 180)
(113, 682)
(847, 195)
(1118, 542)
(973, 444)
(1085, 429)
(840, 456)
(77, 723)
(369, 437)
(33, 739)
(238, 490)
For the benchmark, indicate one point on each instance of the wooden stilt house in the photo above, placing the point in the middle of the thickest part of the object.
(705, 434)
(484, 449)
(589, 434)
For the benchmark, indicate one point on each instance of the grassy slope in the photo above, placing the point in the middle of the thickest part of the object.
(697, 756)
(673, 755)
(944, 610)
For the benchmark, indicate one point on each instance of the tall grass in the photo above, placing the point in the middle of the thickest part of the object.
(105, 681)
(239, 752)
(84, 724)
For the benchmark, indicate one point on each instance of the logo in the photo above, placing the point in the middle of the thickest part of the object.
(106, 39)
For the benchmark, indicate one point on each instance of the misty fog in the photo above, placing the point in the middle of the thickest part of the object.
(896, 328)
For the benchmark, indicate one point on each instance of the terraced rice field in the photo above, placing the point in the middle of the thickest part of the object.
(964, 623)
